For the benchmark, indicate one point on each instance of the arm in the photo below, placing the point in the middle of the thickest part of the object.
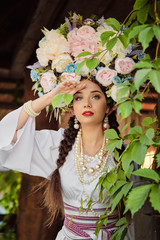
(40, 103)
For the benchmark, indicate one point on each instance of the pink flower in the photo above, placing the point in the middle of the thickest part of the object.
(124, 65)
(76, 47)
(86, 33)
(72, 35)
(105, 76)
(48, 80)
(70, 77)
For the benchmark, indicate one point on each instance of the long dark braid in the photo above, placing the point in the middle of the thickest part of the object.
(53, 195)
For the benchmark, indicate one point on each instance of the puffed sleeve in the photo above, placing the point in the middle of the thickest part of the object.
(34, 153)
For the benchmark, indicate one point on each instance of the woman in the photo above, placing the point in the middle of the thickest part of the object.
(72, 159)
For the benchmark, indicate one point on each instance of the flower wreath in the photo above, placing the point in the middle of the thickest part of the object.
(77, 49)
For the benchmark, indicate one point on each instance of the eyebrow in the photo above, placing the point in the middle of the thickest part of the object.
(94, 91)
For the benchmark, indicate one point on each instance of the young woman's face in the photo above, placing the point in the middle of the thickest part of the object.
(89, 104)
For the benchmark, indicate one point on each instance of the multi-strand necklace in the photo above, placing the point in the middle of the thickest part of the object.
(82, 169)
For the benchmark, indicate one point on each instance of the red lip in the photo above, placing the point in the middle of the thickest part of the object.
(87, 113)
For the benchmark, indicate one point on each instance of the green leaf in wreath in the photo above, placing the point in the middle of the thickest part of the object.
(105, 36)
(91, 63)
(146, 36)
(57, 100)
(136, 30)
(154, 76)
(80, 65)
(116, 187)
(147, 173)
(124, 40)
(68, 98)
(141, 76)
(83, 54)
(143, 64)
(111, 44)
(137, 197)
(155, 197)
(142, 14)
(111, 134)
(156, 30)
(113, 23)
(139, 4)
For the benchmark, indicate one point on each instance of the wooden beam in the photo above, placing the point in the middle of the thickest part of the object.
(46, 10)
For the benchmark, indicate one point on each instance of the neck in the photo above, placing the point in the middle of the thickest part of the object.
(92, 139)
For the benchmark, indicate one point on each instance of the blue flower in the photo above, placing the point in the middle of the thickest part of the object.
(140, 56)
(40, 94)
(98, 67)
(34, 75)
(117, 80)
(70, 68)
(127, 78)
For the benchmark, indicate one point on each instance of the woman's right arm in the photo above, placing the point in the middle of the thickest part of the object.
(40, 103)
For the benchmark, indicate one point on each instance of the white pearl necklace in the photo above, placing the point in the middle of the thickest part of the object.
(79, 162)
(78, 165)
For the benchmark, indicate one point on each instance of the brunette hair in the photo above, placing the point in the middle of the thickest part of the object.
(53, 192)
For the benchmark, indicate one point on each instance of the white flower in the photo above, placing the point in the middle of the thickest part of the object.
(53, 45)
(61, 61)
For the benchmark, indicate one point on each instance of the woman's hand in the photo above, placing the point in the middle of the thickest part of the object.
(70, 87)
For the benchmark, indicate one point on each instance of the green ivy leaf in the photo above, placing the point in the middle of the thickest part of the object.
(68, 98)
(147, 173)
(126, 188)
(138, 96)
(112, 144)
(121, 221)
(135, 130)
(132, 17)
(147, 137)
(137, 197)
(91, 63)
(122, 91)
(121, 175)
(116, 187)
(111, 134)
(139, 4)
(111, 177)
(156, 30)
(113, 23)
(96, 54)
(136, 30)
(139, 151)
(147, 122)
(125, 127)
(137, 106)
(125, 108)
(120, 233)
(126, 159)
(115, 200)
(83, 54)
(105, 36)
(145, 37)
(57, 100)
(141, 76)
(142, 14)
(158, 160)
(154, 76)
(156, 63)
(155, 197)
(111, 44)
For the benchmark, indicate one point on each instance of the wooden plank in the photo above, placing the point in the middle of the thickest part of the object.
(33, 34)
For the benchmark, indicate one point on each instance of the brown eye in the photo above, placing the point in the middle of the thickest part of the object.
(96, 97)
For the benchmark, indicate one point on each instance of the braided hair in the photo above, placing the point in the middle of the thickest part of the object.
(53, 193)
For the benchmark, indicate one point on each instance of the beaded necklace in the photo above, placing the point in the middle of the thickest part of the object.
(81, 168)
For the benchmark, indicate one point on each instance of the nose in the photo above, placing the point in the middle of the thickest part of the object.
(87, 104)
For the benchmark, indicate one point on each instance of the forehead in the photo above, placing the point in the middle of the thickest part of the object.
(90, 86)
